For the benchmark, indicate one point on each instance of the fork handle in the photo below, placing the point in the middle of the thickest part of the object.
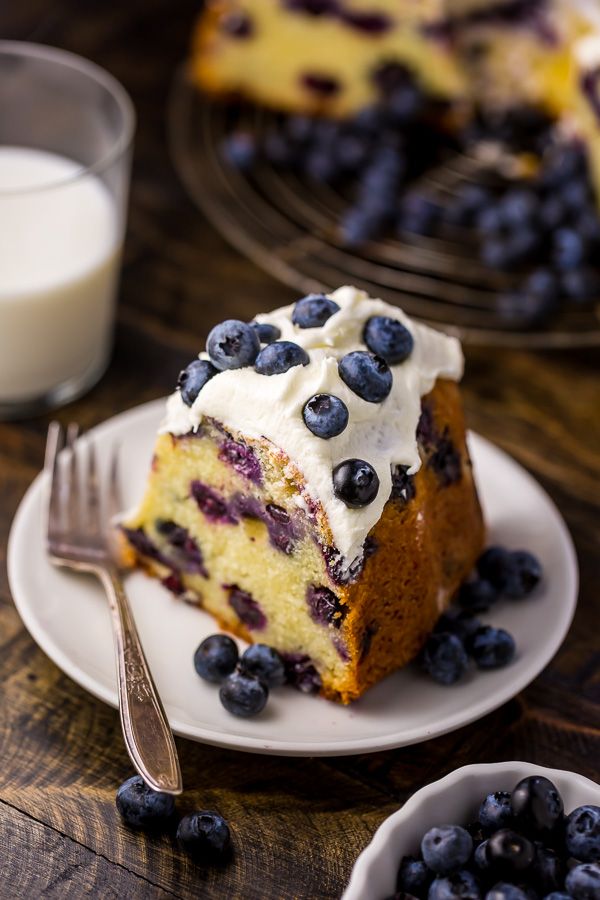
(146, 731)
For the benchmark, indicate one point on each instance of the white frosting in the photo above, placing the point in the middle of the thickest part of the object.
(587, 51)
(383, 434)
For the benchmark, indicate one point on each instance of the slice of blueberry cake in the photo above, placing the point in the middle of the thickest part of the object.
(311, 487)
(322, 56)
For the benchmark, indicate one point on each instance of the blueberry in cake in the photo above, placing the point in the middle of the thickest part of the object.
(315, 493)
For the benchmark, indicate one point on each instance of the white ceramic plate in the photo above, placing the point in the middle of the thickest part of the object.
(454, 799)
(68, 617)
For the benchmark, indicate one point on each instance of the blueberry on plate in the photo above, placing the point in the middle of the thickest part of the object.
(413, 877)
(262, 661)
(537, 804)
(313, 311)
(569, 249)
(496, 811)
(523, 574)
(216, 658)
(355, 482)
(325, 415)
(446, 848)
(458, 622)
(461, 885)
(366, 374)
(477, 595)
(508, 852)
(278, 357)
(232, 345)
(388, 338)
(243, 695)
(444, 657)
(205, 836)
(141, 807)
(239, 149)
(267, 334)
(505, 891)
(491, 648)
(558, 895)
(583, 882)
(193, 378)
(583, 833)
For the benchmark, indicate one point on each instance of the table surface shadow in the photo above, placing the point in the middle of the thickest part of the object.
(298, 824)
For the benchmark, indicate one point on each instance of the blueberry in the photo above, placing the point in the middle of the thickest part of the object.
(446, 847)
(495, 565)
(367, 375)
(278, 357)
(558, 895)
(461, 885)
(313, 311)
(351, 152)
(569, 249)
(581, 284)
(445, 658)
(491, 648)
(583, 882)
(537, 804)
(477, 595)
(523, 574)
(205, 836)
(522, 245)
(359, 225)
(267, 334)
(576, 194)
(321, 166)
(553, 212)
(405, 103)
(216, 658)
(496, 811)
(141, 807)
(263, 662)
(548, 869)
(470, 201)
(458, 622)
(496, 253)
(565, 162)
(544, 284)
(509, 852)
(239, 149)
(325, 415)
(232, 345)
(480, 857)
(278, 149)
(413, 877)
(519, 205)
(490, 220)
(388, 338)
(243, 695)
(419, 214)
(583, 833)
(193, 378)
(355, 482)
(504, 891)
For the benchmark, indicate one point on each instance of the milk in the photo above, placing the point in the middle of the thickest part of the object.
(60, 245)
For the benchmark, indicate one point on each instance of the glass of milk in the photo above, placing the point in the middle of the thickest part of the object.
(66, 130)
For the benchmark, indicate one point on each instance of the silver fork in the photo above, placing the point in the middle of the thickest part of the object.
(78, 537)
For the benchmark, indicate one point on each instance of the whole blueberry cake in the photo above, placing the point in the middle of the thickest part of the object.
(311, 487)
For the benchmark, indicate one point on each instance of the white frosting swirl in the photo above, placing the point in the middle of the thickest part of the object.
(383, 434)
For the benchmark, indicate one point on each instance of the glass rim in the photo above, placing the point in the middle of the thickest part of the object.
(112, 86)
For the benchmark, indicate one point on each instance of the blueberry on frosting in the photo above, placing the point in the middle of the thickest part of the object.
(193, 378)
(325, 415)
(266, 333)
(355, 482)
(313, 311)
(367, 375)
(276, 358)
(232, 345)
(388, 338)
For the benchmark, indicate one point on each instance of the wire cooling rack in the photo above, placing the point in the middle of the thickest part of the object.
(288, 226)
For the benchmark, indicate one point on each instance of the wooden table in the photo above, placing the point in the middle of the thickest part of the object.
(298, 823)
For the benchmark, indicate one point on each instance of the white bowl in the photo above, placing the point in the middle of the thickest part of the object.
(454, 799)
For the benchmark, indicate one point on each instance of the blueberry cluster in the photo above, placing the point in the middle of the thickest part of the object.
(522, 847)
(204, 835)
(234, 345)
(545, 226)
(460, 637)
(244, 681)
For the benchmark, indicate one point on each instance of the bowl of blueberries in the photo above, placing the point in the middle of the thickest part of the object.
(499, 831)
